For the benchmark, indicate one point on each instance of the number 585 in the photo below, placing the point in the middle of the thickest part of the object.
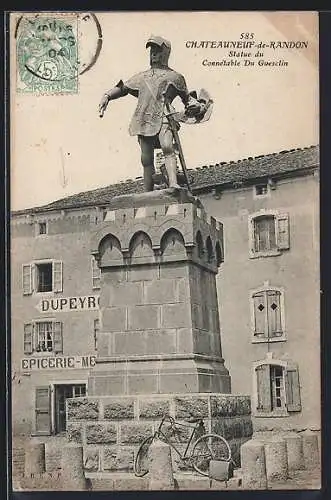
(247, 36)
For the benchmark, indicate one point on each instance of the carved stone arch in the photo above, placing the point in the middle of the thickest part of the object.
(172, 243)
(210, 250)
(99, 235)
(140, 245)
(109, 250)
(175, 224)
(199, 245)
(219, 253)
(144, 228)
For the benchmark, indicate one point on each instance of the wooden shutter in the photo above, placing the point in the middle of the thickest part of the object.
(221, 230)
(292, 386)
(57, 276)
(252, 236)
(43, 410)
(96, 273)
(28, 338)
(260, 314)
(57, 336)
(274, 313)
(263, 388)
(283, 232)
(27, 279)
(96, 325)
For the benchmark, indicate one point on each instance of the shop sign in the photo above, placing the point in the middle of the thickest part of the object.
(68, 304)
(57, 362)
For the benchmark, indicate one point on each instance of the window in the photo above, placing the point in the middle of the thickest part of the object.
(261, 190)
(96, 273)
(96, 328)
(42, 227)
(42, 276)
(268, 233)
(277, 388)
(62, 393)
(43, 336)
(44, 424)
(264, 234)
(267, 308)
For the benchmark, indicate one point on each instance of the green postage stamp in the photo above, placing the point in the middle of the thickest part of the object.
(47, 54)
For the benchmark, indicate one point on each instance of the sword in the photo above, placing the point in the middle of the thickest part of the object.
(173, 127)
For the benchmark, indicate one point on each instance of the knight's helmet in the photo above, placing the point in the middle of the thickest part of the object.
(164, 44)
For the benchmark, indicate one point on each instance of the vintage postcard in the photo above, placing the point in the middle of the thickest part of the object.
(165, 323)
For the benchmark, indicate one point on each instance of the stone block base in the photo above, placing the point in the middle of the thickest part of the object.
(159, 375)
(111, 428)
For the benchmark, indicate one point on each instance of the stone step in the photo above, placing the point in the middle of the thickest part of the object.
(183, 481)
(103, 481)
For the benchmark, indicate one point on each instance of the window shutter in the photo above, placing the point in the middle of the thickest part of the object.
(221, 256)
(251, 234)
(27, 279)
(57, 337)
(42, 410)
(283, 233)
(57, 276)
(292, 385)
(259, 314)
(96, 325)
(263, 388)
(274, 313)
(28, 338)
(96, 273)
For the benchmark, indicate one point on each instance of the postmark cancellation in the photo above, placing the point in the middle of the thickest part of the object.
(47, 53)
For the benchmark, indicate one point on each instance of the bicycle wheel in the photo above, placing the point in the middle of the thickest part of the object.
(141, 466)
(209, 447)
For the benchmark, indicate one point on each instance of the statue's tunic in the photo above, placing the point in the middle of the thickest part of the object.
(153, 88)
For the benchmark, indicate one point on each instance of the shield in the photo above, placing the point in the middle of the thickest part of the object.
(201, 103)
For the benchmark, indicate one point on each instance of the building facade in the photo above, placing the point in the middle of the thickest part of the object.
(268, 291)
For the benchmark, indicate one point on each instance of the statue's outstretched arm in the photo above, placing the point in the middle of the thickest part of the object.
(120, 90)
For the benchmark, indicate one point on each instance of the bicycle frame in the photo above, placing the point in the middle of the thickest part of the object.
(160, 434)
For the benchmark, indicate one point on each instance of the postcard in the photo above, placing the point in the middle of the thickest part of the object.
(165, 250)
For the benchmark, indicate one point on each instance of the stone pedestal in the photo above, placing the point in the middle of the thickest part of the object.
(111, 428)
(253, 465)
(34, 459)
(159, 346)
(161, 473)
(159, 254)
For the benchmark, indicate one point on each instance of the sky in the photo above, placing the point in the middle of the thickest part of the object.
(60, 145)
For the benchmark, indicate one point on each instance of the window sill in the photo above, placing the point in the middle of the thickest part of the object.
(270, 253)
(43, 354)
(261, 196)
(268, 341)
(271, 414)
(41, 433)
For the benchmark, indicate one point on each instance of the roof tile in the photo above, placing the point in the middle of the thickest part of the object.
(220, 174)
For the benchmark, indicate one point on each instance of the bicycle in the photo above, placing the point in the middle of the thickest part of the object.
(197, 453)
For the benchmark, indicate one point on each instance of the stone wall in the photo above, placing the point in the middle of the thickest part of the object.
(112, 428)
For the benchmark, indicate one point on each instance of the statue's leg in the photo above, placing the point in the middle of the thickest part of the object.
(147, 160)
(166, 142)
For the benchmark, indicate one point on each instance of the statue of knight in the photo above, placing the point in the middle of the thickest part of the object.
(155, 121)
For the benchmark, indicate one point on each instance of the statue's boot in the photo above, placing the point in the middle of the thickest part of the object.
(171, 166)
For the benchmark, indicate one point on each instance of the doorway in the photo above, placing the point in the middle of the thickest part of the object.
(62, 393)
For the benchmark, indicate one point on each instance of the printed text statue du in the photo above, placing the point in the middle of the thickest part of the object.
(155, 89)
